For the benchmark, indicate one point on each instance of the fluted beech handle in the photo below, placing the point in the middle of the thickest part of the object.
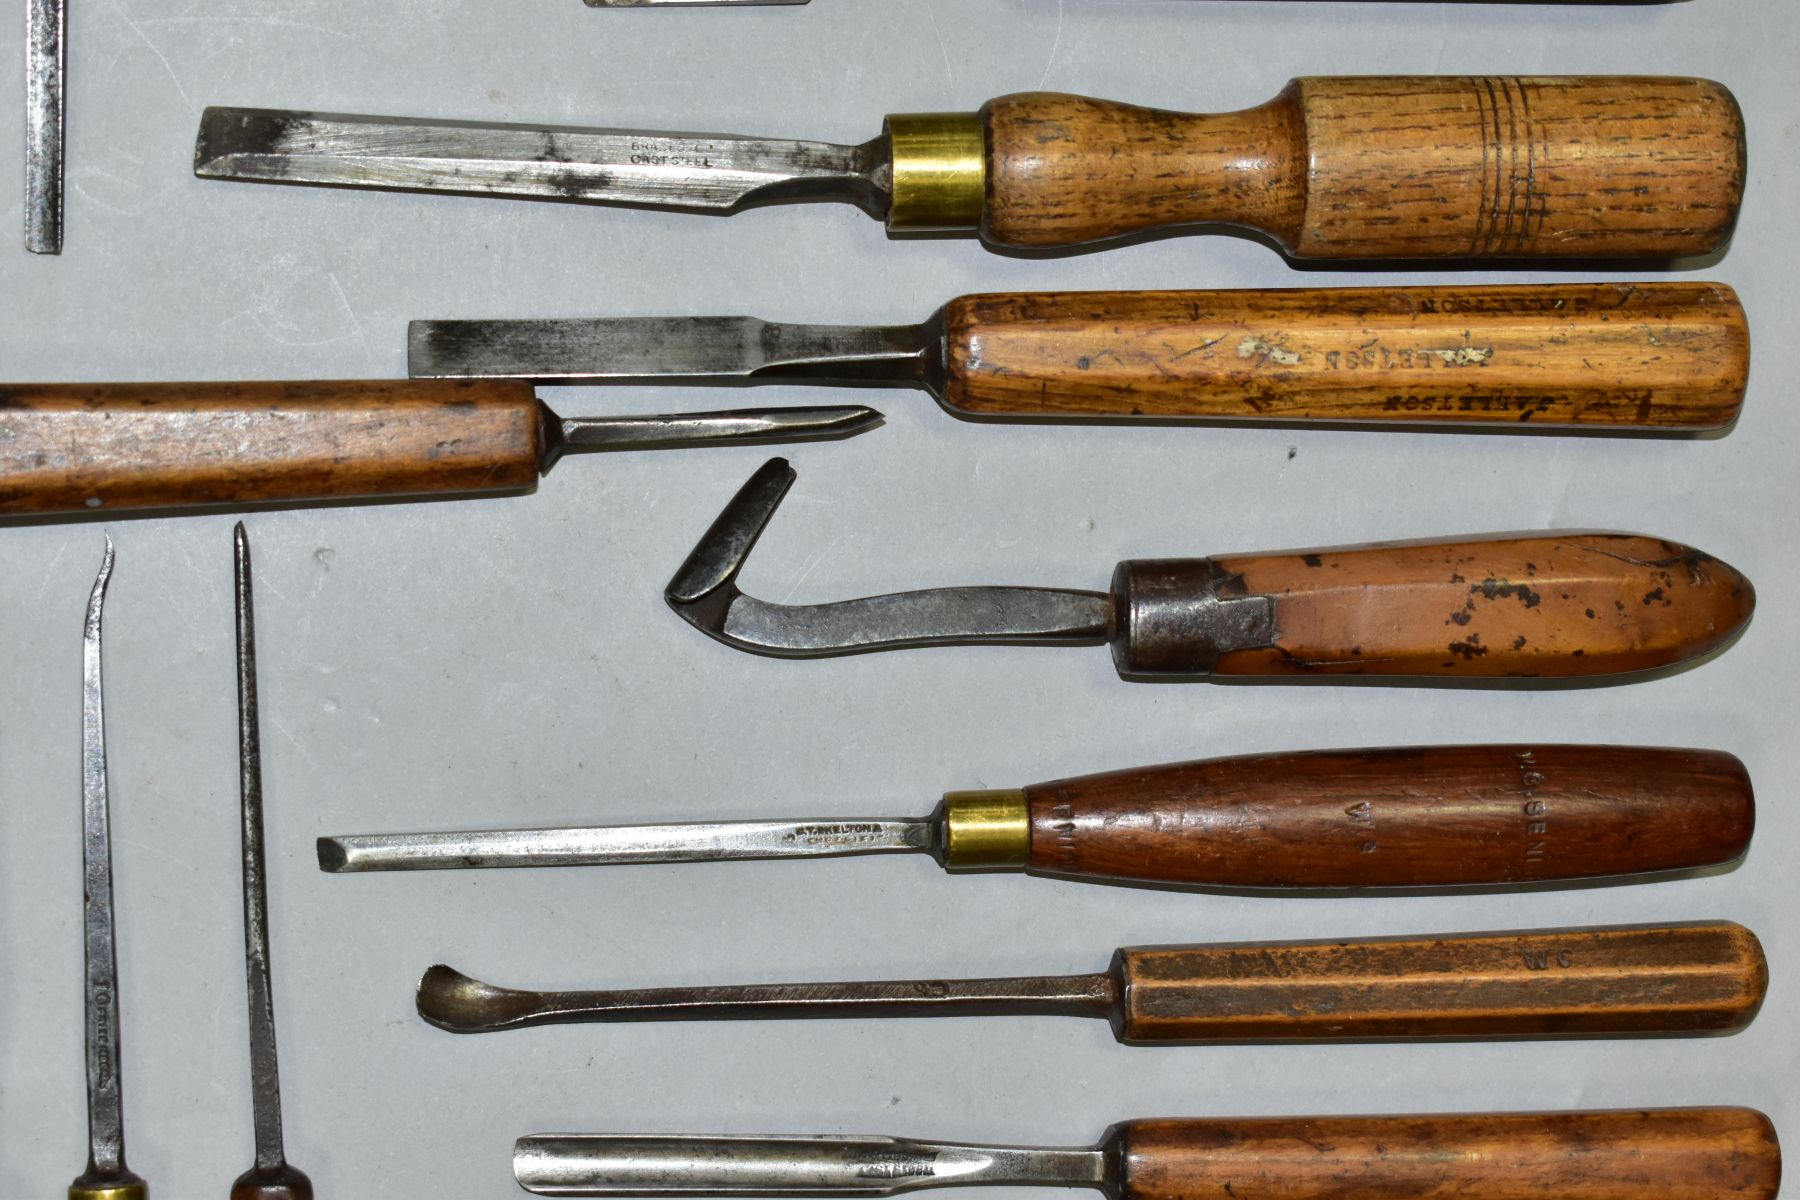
(1668, 356)
(1547, 983)
(1516, 605)
(1406, 167)
(1656, 1154)
(1430, 816)
(73, 448)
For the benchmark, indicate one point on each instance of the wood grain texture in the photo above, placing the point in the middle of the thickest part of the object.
(74, 448)
(1545, 983)
(1435, 815)
(1412, 167)
(1519, 605)
(1655, 1154)
(1668, 356)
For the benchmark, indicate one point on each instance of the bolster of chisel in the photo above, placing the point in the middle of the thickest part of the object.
(1427, 816)
(1655, 1154)
(1669, 356)
(1408, 167)
(1696, 978)
(75, 448)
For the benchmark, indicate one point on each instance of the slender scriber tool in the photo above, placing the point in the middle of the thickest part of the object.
(1664, 356)
(1597, 982)
(1440, 816)
(107, 1177)
(1360, 167)
(1552, 605)
(1653, 1154)
(271, 1178)
(70, 448)
(46, 55)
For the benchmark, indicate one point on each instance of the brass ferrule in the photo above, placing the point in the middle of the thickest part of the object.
(986, 831)
(940, 171)
(112, 1191)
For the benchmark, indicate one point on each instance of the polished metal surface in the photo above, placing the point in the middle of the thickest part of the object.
(46, 54)
(711, 841)
(453, 1001)
(710, 349)
(683, 3)
(705, 593)
(714, 173)
(652, 1165)
(671, 431)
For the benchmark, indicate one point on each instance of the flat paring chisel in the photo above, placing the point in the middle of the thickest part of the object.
(1603, 356)
(1360, 167)
(1705, 977)
(1434, 816)
(1644, 1154)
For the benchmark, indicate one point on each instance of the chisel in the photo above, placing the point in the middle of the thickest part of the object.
(1644, 1154)
(80, 447)
(1615, 980)
(1443, 816)
(46, 56)
(1359, 167)
(1668, 356)
(1551, 605)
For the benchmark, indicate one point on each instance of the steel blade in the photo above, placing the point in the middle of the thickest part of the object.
(669, 431)
(933, 617)
(46, 28)
(683, 3)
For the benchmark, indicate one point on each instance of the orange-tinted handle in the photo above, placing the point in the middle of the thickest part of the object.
(1665, 356)
(1659, 1154)
(1545, 983)
(1430, 816)
(73, 448)
(1408, 167)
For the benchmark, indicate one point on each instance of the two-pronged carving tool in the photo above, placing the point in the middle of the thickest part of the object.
(1442, 816)
(1655, 1154)
(1561, 605)
(1364, 167)
(107, 1177)
(271, 1178)
(1626, 979)
(77, 447)
(1664, 356)
(46, 55)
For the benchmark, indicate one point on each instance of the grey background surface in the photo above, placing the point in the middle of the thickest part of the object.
(510, 661)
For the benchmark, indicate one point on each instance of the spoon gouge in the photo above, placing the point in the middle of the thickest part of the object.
(1654, 1154)
(1626, 979)
(1363, 167)
(1621, 356)
(1441, 816)
(77, 447)
(1551, 605)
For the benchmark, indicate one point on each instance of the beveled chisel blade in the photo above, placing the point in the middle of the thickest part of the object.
(699, 172)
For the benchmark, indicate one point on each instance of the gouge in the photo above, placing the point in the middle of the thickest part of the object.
(79, 447)
(1442, 816)
(1626, 979)
(1562, 605)
(1364, 167)
(107, 1177)
(1653, 1154)
(1668, 356)
(270, 1177)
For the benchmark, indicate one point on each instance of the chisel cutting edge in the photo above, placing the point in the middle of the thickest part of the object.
(1364, 167)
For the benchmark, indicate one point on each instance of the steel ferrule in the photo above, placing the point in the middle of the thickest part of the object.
(939, 171)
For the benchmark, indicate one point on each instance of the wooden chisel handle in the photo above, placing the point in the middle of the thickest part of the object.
(1551, 605)
(1547, 983)
(73, 448)
(1378, 167)
(1428, 816)
(1669, 356)
(1655, 1154)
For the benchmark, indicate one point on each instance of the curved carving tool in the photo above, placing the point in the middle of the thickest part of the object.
(1552, 605)
(107, 1177)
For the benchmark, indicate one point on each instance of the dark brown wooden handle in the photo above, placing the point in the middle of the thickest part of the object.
(1410, 167)
(1546, 983)
(1658, 1154)
(1429, 816)
(1549, 605)
(73, 448)
(1623, 356)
